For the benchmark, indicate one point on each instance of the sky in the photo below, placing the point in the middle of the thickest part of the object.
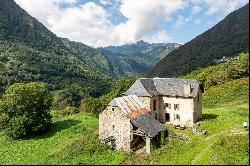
(101, 23)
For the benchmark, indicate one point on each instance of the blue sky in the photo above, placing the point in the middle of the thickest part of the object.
(116, 22)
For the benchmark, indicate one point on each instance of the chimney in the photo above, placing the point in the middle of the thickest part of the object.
(187, 89)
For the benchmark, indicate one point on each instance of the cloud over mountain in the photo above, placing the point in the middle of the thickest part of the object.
(91, 22)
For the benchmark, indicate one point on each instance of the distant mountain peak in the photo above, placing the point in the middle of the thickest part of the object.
(141, 42)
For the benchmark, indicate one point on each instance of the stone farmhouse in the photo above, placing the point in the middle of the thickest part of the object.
(137, 118)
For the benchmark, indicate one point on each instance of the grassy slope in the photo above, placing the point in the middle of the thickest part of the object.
(74, 139)
(221, 123)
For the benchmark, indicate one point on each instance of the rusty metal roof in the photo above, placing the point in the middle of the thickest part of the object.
(130, 106)
(138, 113)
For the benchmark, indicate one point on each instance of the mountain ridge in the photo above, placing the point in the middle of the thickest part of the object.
(227, 38)
(136, 58)
(30, 52)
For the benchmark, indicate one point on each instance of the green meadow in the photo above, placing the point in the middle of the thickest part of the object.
(74, 139)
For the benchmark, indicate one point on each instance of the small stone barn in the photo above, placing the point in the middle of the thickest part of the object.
(126, 124)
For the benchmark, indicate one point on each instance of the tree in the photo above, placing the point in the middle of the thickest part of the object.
(24, 110)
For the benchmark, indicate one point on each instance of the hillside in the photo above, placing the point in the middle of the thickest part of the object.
(74, 139)
(138, 57)
(30, 52)
(94, 58)
(227, 38)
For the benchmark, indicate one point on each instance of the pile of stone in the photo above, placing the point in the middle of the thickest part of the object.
(198, 131)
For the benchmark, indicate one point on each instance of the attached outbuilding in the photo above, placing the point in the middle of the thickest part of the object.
(126, 124)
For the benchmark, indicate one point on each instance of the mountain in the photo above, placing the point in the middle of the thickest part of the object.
(128, 65)
(225, 40)
(138, 57)
(94, 58)
(30, 52)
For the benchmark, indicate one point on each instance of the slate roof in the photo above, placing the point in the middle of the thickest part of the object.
(149, 126)
(130, 106)
(163, 86)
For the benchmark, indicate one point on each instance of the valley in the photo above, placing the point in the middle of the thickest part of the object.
(62, 86)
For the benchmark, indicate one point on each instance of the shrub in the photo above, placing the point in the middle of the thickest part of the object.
(68, 111)
(25, 110)
(66, 98)
(97, 105)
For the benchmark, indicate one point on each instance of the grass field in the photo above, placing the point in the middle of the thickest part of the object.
(74, 140)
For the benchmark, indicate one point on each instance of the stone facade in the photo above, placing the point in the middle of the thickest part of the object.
(169, 109)
(112, 122)
(145, 107)
(126, 124)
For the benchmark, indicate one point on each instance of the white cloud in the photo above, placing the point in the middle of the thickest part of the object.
(196, 9)
(106, 2)
(196, 2)
(227, 6)
(160, 37)
(182, 21)
(90, 24)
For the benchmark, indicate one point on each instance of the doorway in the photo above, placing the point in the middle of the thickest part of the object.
(167, 117)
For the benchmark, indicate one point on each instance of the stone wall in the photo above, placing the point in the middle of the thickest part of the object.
(148, 101)
(113, 123)
(185, 111)
(190, 109)
(198, 107)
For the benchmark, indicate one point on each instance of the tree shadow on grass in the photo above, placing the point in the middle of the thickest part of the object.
(209, 117)
(57, 127)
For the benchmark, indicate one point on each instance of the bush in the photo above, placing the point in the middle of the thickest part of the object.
(66, 98)
(97, 105)
(25, 109)
(68, 111)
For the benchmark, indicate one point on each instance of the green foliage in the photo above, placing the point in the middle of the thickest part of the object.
(96, 105)
(67, 111)
(232, 149)
(68, 97)
(236, 91)
(227, 38)
(72, 140)
(94, 58)
(221, 73)
(30, 52)
(25, 110)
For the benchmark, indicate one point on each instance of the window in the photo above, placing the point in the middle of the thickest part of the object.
(113, 108)
(113, 126)
(178, 117)
(176, 106)
(154, 105)
(167, 105)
